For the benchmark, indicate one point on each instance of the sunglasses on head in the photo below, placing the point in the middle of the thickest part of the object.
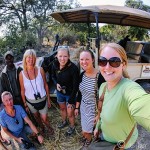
(113, 61)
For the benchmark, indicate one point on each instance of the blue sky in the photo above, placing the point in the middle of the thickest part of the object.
(107, 2)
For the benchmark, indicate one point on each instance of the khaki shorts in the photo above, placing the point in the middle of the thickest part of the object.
(33, 110)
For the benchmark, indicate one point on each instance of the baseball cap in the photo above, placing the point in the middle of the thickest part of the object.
(8, 53)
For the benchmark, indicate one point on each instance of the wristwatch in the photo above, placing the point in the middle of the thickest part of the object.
(37, 134)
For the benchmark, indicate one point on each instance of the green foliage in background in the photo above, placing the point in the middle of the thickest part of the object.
(28, 22)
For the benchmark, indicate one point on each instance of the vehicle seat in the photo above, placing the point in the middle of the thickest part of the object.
(133, 50)
(145, 55)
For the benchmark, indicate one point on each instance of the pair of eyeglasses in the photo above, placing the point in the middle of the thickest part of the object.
(16, 121)
(113, 62)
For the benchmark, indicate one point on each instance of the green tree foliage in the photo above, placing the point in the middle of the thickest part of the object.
(41, 19)
(137, 33)
(30, 18)
(28, 15)
(115, 32)
(81, 31)
(138, 4)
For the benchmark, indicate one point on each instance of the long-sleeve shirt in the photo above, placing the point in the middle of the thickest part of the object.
(124, 106)
(68, 77)
(9, 81)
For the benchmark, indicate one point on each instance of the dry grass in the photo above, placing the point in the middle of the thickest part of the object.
(59, 141)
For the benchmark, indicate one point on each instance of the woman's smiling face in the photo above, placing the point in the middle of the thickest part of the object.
(30, 60)
(86, 61)
(63, 57)
(111, 74)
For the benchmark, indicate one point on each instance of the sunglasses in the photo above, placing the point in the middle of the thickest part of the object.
(113, 61)
(16, 121)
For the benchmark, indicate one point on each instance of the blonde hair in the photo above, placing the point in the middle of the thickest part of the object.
(4, 94)
(120, 50)
(26, 54)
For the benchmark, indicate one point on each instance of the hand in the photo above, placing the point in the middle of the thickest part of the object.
(76, 112)
(40, 139)
(2, 139)
(7, 142)
(96, 133)
(19, 140)
(58, 87)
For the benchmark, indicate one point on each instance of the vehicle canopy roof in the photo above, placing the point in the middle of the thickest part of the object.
(119, 15)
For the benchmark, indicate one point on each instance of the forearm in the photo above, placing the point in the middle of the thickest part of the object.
(73, 94)
(47, 92)
(98, 114)
(10, 134)
(34, 129)
(79, 97)
(31, 125)
(23, 98)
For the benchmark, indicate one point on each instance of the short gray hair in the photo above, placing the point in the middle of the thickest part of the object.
(4, 94)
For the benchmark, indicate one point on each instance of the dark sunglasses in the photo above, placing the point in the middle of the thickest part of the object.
(113, 61)
(16, 121)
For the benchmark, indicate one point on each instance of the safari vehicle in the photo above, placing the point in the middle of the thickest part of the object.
(138, 53)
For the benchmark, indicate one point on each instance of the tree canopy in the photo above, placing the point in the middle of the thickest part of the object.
(28, 23)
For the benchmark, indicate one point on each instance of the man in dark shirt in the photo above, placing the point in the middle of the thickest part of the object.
(9, 78)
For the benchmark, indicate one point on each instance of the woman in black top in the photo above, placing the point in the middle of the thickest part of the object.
(65, 76)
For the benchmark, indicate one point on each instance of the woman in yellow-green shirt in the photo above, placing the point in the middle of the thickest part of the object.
(125, 102)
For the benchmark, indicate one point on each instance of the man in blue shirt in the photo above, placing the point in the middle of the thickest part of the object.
(12, 119)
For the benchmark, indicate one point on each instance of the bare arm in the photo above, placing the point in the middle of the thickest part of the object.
(46, 86)
(18, 139)
(34, 129)
(76, 112)
(22, 89)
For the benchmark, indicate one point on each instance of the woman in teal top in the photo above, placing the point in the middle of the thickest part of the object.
(125, 102)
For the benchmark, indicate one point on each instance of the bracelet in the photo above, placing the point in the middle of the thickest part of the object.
(76, 108)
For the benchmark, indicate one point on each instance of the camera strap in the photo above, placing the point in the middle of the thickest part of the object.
(31, 82)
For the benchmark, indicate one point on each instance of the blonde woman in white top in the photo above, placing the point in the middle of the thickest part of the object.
(34, 89)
